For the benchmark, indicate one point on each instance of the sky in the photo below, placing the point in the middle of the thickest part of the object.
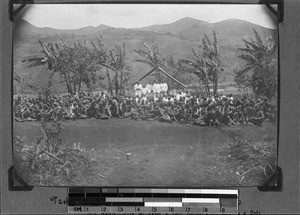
(73, 16)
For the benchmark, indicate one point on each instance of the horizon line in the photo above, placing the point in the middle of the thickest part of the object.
(95, 26)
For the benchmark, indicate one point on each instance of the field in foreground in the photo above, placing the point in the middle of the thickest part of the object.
(162, 154)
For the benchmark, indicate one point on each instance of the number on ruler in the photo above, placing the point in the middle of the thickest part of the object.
(188, 209)
(103, 209)
(137, 209)
(171, 209)
(120, 209)
(154, 209)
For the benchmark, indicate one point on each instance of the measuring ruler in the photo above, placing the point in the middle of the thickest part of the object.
(152, 201)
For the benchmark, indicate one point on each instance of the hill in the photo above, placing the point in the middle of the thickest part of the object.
(174, 39)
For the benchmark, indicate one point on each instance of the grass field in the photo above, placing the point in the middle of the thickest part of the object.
(162, 154)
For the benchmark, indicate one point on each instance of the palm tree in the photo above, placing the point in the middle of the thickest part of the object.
(198, 67)
(206, 66)
(118, 62)
(211, 54)
(153, 58)
(259, 70)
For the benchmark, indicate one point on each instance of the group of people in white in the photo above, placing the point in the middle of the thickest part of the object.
(156, 88)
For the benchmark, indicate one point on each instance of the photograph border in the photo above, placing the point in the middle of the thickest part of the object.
(274, 183)
(252, 200)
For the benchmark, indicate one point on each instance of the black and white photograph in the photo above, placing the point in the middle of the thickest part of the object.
(145, 95)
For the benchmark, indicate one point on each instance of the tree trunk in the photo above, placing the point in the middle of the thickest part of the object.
(69, 87)
(116, 84)
(74, 86)
(121, 81)
(80, 81)
(215, 87)
(207, 87)
(109, 83)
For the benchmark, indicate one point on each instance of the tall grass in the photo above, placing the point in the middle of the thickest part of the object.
(253, 162)
(47, 161)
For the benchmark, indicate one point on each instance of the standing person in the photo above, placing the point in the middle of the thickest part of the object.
(149, 88)
(138, 89)
(156, 89)
(164, 88)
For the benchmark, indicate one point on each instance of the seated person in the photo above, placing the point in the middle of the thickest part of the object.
(91, 111)
(259, 118)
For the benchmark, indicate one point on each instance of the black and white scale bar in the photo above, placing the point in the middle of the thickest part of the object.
(142, 200)
(160, 193)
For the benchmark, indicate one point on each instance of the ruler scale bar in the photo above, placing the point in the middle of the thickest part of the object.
(145, 200)
(163, 204)
(119, 199)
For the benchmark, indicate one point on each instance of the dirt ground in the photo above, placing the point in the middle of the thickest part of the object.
(161, 154)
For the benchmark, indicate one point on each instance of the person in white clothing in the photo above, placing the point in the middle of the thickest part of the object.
(144, 91)
(156, 89)
(149, 88)
(165, 87)
(138, 89)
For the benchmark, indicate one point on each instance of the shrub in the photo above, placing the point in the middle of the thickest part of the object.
(48, 162)
(253, 161)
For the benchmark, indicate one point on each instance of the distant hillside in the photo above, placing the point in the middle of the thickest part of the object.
(174, 39)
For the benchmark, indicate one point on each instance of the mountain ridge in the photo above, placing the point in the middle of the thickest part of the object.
(191, 21)
(176, 39)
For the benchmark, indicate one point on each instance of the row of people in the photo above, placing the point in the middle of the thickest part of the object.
(222, 110)
(155, 88)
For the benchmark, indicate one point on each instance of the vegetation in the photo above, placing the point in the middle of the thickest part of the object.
(206, 66)
(259, 72)
(49, 162)
(151, 57)
(79, 63)
(176, 71)
(253, 162)
(118, 64)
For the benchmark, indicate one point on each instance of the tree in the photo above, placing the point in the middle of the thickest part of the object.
(206, 65)
(211, 53)
(152, 58)
(175, 70)
(259, 71)
(113, 60)
(75, 64)
(118, 63)
(198, 67)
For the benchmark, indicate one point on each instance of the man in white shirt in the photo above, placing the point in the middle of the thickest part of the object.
(138, 89)
(149, 88)
(164, 87)
(156, 89)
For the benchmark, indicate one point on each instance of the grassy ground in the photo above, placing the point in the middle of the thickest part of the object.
(161, 154)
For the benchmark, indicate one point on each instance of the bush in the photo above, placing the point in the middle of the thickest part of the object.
(253, 161)
(48, 162)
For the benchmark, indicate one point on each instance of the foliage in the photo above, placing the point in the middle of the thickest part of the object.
(176, 71)
(206, 65)
(23, 83)
(113, 60)
(151, 57)
(260, 71)
(75, 64)
(252, 161)
(118, 62)
(48, 162)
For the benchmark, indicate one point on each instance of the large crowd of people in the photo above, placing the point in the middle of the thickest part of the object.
(183, 107)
